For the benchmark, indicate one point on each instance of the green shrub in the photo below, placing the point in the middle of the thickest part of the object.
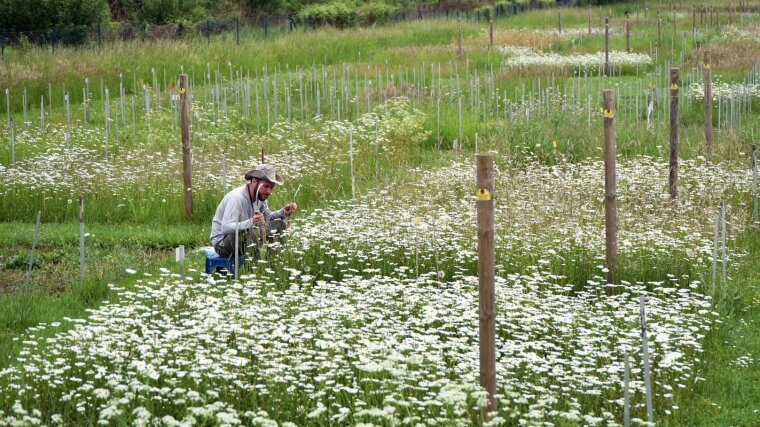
(28, 15)
(24, 44)
(338, 14)
(485, 12)
(376, 13)
(165, 11)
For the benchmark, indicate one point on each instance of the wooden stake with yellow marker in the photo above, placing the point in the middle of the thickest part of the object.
(486, 274)
(610, 190)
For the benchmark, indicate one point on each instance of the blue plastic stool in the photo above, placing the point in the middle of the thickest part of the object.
(217, 263)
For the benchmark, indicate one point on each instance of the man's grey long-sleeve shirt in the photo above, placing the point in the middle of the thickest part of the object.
(236, 212)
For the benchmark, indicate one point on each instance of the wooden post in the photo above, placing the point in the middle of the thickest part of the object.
(186, 155)
(708, 107)
(490, 32)
(628, 33)
(559, 21)
(693, 21)
(459, 50)
(606, 46)
(589, 21)
(673, 132)
(486, 273)
(610, 188)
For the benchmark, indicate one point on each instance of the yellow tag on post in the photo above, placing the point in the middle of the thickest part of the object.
(608, 114)
(706, 66)
(483, 195)
(674, 86)
(181, 90)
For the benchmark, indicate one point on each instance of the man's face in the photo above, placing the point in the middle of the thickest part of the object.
(265, 189)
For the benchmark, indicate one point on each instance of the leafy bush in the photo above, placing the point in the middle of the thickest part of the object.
(376, 13)
(165, 11)
(24, 44)
(338, 14)
(485, 12)
(28, 15)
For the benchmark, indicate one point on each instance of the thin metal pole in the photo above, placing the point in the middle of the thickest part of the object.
(81, 239)
(708, 107)
(377, 149)
(645, 354)
(237, 245)
(13, 143)
(715, 251)
(723, 242)
(459, 51)
(8, 104)
(754, 184)
(28, 277)
(626, 392)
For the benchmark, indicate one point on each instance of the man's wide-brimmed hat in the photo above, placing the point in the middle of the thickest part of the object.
(264, 171)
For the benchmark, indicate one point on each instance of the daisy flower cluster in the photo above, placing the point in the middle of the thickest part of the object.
(522, 57)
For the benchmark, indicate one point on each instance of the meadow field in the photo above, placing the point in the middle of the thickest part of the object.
(368, 313)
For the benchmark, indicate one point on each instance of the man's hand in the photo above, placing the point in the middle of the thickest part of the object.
(258, 218)
(290, 208)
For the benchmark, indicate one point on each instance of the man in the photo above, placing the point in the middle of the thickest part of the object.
(245, 210)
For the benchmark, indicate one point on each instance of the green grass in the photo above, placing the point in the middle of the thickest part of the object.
(729, 392)
(55, 290)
